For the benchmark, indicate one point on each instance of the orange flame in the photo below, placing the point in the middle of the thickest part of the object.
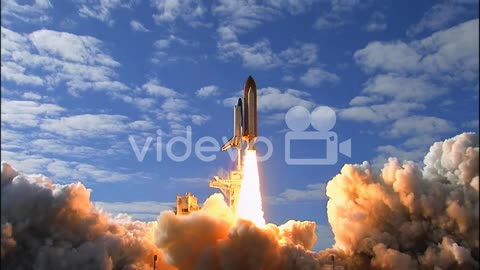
(250, 199)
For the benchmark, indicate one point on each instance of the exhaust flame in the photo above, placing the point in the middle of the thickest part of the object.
(250, 199)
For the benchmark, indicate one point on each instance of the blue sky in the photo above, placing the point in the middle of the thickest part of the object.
(80, 77)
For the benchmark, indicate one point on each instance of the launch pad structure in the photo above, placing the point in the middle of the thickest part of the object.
(230, 186)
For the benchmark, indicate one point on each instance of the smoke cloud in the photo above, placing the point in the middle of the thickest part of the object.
(406, 218)
(400, 217)
(50, 226)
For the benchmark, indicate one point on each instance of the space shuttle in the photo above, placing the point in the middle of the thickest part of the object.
(245, 118)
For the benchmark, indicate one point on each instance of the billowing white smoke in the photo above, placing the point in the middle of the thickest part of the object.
(49, 226)
(406, 218)
(400, 218)
(212, 239)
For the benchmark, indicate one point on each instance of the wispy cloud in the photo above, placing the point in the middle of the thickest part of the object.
(138, 210)
(377, 22)
(207, 91)
(315, 76)
(442, 15)
(138, 26)
(102, 9)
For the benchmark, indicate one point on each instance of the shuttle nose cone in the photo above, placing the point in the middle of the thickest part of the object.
(250, 82)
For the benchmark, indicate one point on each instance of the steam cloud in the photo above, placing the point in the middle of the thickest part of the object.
(402, 217)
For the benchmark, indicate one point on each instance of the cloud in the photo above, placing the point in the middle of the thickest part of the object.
(16, 73)
(162, 52)
(448, 53)
(189, 11)
(31, 96)
(65, 171)
(274, 99)
(90, 125)
(257, 56)
(288, 78)
(188, 181)
(394, 56)
(237, 17)
(420, 132)
(384, 152)
(82, 171)
(78, 61)
(364, 100)
(377, 22)
(293, 7)
(379, 112)
(405, 204)
(420, 125)
(300, 54)
(69, 232)
(70, 47)
(339, 14)
(138, 210)
(406, 76)
(414, 89)
(142, 103)
(138, 26)
(34, 13)
(329, 21)
(472, 124)
(260, 55)
(23, 113)
(207, 91)
(154, 88)
(102, 9)
(442, 15)
(312, 192)
(199, 119)
(316, 76)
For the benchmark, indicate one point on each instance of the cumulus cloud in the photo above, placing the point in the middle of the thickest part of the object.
(30, 12)
(414, 125)
(23, 113)
(81, 62)
(449, 53)
(414, 89)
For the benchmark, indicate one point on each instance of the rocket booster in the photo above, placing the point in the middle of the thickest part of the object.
(250, 97)
(245, 118)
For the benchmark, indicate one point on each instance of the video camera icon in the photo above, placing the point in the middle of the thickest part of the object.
(323, 119)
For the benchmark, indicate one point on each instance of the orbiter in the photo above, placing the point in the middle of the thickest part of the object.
(245, 119)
